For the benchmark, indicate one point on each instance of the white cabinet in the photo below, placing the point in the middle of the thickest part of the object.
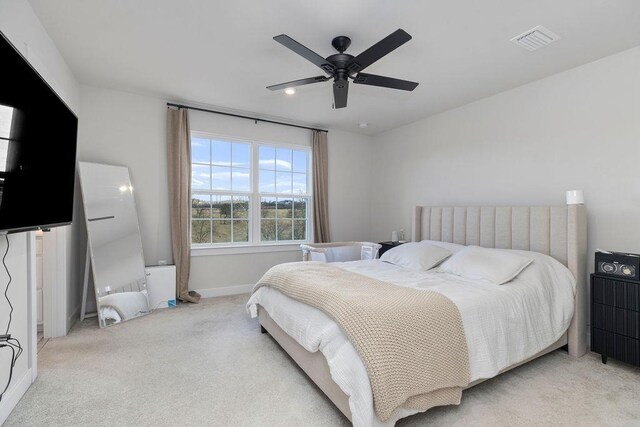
(161, 286)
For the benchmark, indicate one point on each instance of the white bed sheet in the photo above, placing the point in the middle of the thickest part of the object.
(503, 324)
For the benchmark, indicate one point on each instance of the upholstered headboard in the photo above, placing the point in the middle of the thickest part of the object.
(558, 231)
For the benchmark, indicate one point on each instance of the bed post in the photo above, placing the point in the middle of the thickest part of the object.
(577, 263)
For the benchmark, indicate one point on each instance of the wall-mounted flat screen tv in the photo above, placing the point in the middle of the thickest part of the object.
(38, 136)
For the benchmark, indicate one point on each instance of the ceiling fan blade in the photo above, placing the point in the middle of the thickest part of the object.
(378, 50)
(305, 52)
(382, 81)
(300, 82)
(340, 93)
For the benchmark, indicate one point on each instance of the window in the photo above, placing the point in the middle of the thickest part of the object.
(248, 193)
(283, 189)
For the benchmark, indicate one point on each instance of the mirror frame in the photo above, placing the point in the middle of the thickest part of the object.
(142, 282)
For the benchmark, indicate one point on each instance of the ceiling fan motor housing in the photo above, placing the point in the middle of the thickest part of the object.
(340, 60)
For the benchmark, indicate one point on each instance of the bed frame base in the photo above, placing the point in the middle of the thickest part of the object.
(313, 364)
(317, 369)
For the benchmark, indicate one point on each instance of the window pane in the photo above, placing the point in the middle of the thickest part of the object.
(200, 231)
(268, 207)
(300, 161)
(200, 150)
(283, 159)
(221, 153)
(284, 229)
(240, 207)
(283, 182)
(268, 230)
(240, 155)
(299, 230)
(221, 206)
(267, 157)
(284, 208)
(267, 181)
(200, 206)
(240, 179)
(240, 231)
(221, 231)
(221, 178)
(300, 208)
(299, 183)
(200, 177)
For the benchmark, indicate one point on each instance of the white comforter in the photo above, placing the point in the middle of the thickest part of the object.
(503, 324)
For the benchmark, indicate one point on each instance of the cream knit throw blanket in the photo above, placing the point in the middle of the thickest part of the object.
(411, 341)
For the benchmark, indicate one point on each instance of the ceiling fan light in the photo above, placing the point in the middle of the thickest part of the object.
(290, 91)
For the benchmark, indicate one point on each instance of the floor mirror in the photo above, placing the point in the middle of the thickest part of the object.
(115, 246)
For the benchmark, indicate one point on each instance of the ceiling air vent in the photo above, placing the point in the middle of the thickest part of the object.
(535, 38)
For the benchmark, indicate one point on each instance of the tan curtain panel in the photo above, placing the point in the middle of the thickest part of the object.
(320, 187)
(179, 164)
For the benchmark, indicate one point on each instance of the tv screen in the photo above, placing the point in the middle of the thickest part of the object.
(37, 148)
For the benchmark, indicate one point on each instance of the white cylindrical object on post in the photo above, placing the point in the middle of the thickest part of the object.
(394, 236)
(575, 197)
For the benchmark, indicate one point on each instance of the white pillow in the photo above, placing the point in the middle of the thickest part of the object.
(416, 256)
(453, 247)
(493, 265)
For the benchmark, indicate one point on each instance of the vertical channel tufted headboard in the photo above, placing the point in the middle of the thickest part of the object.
(557, 231)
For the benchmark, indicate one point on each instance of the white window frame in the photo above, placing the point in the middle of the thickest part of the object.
(255, 245)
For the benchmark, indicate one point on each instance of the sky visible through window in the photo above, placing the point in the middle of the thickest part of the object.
(220, 165)
(282, 170)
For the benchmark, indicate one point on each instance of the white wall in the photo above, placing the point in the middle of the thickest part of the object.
(20, 25)
(130, 130)
(350, 188)
(576, 130)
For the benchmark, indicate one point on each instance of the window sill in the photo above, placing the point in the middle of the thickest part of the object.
(248, 249)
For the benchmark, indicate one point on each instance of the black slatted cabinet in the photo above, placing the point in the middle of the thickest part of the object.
(615, 318)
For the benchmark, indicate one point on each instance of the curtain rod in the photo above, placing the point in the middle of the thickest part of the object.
(255, 119)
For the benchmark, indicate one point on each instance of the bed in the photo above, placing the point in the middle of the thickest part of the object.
(556, 231)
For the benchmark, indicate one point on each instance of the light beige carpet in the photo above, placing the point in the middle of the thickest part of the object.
(208, 364)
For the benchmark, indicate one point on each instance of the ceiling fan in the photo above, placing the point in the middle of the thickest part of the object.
(341, 66)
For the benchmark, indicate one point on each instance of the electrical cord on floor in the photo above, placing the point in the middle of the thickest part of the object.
(13, 363)
(6, 340)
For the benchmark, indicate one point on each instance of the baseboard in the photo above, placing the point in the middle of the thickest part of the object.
(224, 291)
(13, 395)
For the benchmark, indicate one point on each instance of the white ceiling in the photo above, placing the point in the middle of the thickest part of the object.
(221, 52)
